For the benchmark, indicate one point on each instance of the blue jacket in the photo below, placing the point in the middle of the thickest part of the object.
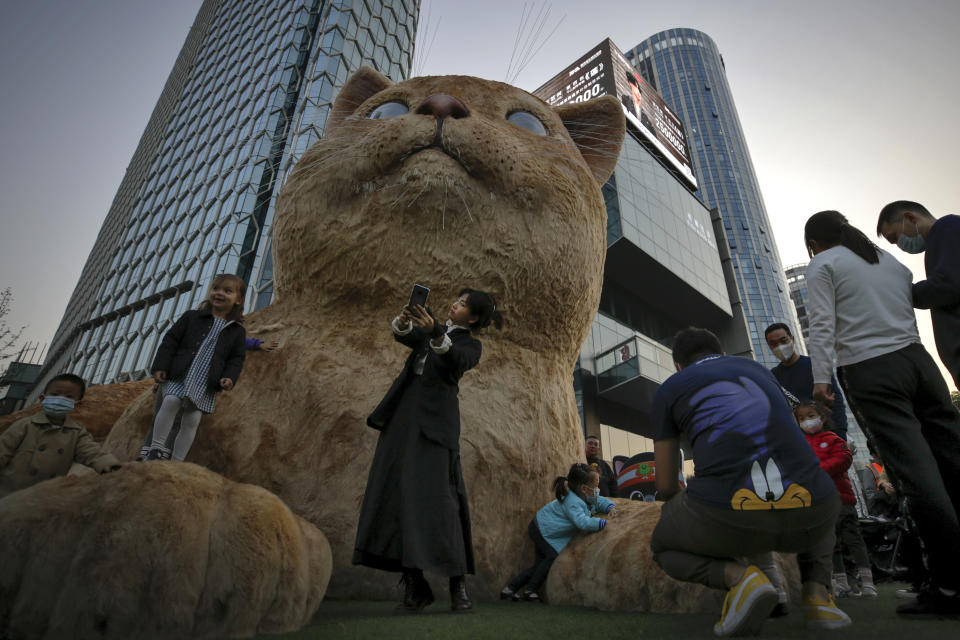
(940, 292)
(558, 521)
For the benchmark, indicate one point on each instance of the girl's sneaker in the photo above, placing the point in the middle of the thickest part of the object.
(867, 588)
(823, 614)
(526, 596)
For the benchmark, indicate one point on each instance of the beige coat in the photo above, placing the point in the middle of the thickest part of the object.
(34, 449)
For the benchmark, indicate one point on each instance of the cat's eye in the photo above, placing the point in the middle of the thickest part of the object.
(528, 121)
(388, 110)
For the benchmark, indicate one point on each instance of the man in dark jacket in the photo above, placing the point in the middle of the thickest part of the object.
(795, 374)
(608, 479)
(914, 229)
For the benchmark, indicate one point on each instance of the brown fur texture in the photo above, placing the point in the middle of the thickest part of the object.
(370, 210)
(161, 550)
(613, 570)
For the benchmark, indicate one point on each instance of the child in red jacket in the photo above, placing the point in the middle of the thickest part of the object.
(835, 458)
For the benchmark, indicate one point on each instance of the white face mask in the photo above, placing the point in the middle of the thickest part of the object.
(784, 351)
(811, 426)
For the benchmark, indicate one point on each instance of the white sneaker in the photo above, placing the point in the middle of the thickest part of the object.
(747, 606)
(868, 590)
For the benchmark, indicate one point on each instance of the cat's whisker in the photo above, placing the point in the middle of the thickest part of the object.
(465, 205)
(545, 40)
(399, 198)
(532, 35)
(516, 40)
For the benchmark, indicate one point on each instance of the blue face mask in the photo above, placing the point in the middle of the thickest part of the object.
(57, 406)
(911, 244)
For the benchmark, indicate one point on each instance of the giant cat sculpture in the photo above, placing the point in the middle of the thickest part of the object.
(381, 202)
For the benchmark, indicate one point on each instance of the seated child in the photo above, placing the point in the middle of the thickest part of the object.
(578, 498)
(45, 444)
(835, 458)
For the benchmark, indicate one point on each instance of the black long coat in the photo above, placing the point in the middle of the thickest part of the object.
(440, 416)
(415, 513)
(181, 343)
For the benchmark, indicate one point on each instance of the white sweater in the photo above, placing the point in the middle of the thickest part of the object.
(858, 309)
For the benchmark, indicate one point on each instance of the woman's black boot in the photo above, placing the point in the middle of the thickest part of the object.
(416, 593)
(459, 600)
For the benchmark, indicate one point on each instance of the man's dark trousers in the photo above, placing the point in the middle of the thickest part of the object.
(904, 403)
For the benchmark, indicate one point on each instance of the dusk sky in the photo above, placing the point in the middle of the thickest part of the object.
(846, 104)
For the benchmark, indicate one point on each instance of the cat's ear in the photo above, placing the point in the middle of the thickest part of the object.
(364, 83)
(597, 127)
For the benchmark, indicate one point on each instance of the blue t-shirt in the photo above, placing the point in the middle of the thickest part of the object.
(748, 450)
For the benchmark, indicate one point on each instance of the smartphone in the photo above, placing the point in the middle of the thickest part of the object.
(418, 296)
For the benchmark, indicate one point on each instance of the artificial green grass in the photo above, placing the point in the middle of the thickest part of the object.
(356, 620)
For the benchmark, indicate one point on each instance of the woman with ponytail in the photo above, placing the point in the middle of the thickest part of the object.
(860, 305)
(578, 499)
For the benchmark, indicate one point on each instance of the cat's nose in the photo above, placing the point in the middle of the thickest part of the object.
(441, 106)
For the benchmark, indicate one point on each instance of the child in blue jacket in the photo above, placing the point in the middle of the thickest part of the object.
(578, 498)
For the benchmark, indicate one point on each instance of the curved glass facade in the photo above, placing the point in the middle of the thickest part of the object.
(249, 94)
(686, 67)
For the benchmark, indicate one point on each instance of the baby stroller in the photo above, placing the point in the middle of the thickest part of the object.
(892, 543)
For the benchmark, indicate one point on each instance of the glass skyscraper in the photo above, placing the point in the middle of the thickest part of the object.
(797, 281)
(665, 267)
(248, 94)
(686, 67)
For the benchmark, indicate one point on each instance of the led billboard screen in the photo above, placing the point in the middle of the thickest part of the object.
(605, 71)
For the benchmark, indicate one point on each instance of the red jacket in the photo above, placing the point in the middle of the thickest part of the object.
(835, 458)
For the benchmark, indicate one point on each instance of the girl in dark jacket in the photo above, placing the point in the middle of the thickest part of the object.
(415, 516)
(199, 356)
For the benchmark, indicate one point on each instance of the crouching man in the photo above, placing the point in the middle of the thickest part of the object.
(758, 487)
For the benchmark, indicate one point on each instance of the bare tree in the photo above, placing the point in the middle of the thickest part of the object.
(8, 336)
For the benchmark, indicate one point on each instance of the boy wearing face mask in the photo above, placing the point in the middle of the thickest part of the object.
(795, 374)
(835, 458)
(44, 445)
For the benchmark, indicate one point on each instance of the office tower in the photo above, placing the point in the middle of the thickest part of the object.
(664, 267)
(248, 94)
(686, 67)
(797, 281)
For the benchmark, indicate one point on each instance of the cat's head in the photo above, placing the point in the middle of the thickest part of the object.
(453, 181)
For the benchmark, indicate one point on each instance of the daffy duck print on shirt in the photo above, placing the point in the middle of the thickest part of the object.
(747, 450)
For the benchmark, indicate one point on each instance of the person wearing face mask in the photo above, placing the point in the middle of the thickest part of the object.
(45, 444)
(552, 529)
(608, 479)
(835, 458)
(860, 304)
(795, 374)
(913, 229)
